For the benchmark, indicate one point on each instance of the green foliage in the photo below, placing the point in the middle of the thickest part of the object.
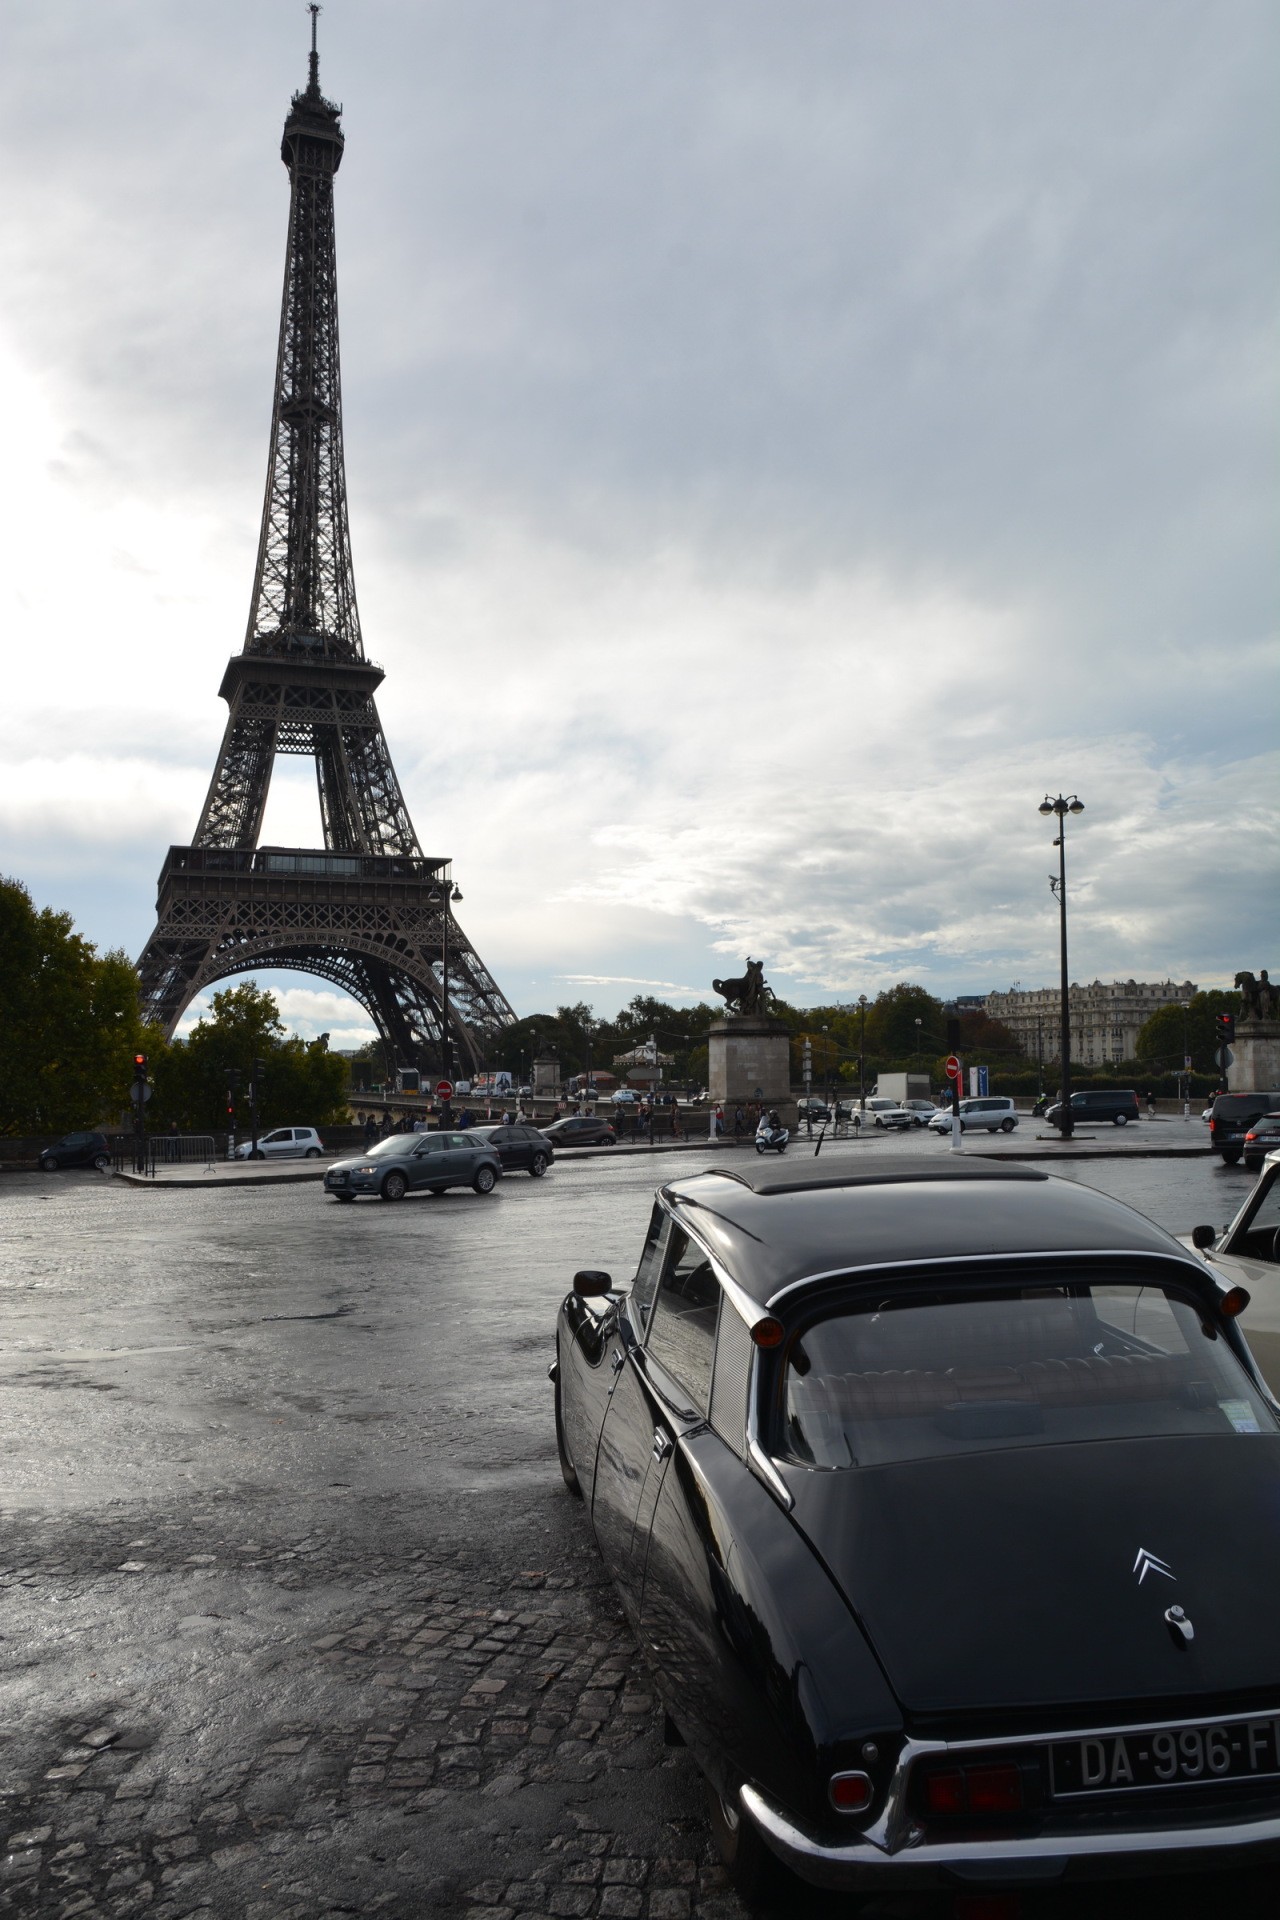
(891, 1023)
(1159, 1043)
(69, 1021)
(304, 1085)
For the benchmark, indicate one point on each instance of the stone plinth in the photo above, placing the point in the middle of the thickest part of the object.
(749, 1058)
(1256, 1067)
(546, 1073)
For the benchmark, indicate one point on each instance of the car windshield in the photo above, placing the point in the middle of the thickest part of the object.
(927, 1372)
(393, 1144)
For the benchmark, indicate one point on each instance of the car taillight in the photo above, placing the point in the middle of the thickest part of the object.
(944, 1793)
(994, 1790)
(983, 1790)
(850, 1792)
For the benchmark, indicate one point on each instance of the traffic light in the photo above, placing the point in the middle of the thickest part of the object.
(233, 1079)
(257, 1073)
(953, 1036)
(1224, 1026)
(139, 1066)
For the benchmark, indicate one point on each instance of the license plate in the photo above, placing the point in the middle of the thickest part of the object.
(1165, 1757)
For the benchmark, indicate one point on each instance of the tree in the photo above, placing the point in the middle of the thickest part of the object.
(1159, 1041)
(891, 1023)
(303, 1083)
(69, 1021)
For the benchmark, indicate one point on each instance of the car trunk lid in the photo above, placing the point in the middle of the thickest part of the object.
(1016, 1579)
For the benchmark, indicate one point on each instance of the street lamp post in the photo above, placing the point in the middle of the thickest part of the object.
(441, 897)
(862, 1056)
(1061, 807)
(1186, 1065)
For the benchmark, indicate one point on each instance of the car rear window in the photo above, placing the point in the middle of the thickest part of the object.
(925, 1373)
(1243, 1106)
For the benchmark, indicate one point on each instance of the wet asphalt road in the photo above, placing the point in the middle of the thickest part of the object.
(297, 1618)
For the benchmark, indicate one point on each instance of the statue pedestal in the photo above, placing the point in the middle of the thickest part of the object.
(1256, 1067)
(749, 1058)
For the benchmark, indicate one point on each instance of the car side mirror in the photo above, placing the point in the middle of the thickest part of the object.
(591, 1283)
(1203, 1236)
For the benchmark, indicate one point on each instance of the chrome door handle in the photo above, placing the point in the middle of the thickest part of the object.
(619, 1360)
(662, 1443)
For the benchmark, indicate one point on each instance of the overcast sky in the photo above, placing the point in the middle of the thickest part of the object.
(782, 442)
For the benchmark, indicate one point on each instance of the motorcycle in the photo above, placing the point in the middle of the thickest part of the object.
(771, 1139)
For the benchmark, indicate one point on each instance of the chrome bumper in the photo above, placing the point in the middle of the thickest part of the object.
(895, 1852)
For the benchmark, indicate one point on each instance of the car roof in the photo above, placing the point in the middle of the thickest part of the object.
(773, 1228)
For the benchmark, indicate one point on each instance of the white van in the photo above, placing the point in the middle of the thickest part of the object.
(993, 1113)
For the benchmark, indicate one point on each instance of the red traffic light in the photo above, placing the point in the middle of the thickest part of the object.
(139, 1059)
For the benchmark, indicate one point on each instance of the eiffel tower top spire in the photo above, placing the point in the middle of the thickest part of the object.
(304, 599)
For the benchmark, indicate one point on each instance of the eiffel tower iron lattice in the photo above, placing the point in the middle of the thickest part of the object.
(369, 912)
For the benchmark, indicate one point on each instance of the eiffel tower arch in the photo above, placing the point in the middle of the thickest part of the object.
(369, 911)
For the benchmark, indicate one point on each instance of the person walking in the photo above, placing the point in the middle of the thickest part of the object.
(739, 1122)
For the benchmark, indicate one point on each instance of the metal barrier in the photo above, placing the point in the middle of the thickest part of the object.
(157, 1150)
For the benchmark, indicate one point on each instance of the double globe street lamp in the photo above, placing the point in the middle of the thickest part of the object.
(1062, 806)
(442, 897)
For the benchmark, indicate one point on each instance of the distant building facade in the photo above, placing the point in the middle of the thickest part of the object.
(1106, 1019)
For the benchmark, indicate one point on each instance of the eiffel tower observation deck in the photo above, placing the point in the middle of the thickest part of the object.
(369, 911)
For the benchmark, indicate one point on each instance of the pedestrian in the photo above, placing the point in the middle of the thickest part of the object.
(719, 1120)
(370, 1131)
(739, 1122)
(419, 1125)
(1151, 1105)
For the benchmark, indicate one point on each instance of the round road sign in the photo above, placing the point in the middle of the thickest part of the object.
(953, 1067)
(444, 1089)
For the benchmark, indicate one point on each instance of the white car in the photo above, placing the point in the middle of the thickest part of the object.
(921, 1111)
(1247, 1254)
(297, 1143)
(885, 1113)
(992, 1112)
(622, 1098)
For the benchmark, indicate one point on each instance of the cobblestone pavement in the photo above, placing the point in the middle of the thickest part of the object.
(296, 1619)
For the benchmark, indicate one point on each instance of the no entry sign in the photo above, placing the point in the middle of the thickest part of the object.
(953, 1067)
(444, 1089)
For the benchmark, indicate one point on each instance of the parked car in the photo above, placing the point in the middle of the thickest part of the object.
(921, 1111)
(283, 1143)
(1119, 1105)
(1233, 1115)
(939, 1501)
(77, 1150)
(812, 1109)
(580, 1130)
(1262, 1138)
(406, 1162)
(990, 1111)
(623, 1098)
(522, 1147)
(1247, 1253)
(883, 1112)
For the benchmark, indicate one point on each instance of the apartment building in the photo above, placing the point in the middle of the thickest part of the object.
(1106, 1017)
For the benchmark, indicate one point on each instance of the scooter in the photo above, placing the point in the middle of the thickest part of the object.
(771, 1139)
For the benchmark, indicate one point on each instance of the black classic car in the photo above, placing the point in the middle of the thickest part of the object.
(944, 1504)
(405, 1162)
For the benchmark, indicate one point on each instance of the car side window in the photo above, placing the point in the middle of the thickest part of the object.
(433, 1143)
(645, 1284)
(682, 1326)
(501, 1136)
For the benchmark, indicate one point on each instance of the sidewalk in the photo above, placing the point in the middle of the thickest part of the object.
(1115, 1143)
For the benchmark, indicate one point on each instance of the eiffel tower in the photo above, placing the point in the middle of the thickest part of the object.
(369, 912)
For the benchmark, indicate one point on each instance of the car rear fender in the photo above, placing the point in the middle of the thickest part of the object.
(755, 1652)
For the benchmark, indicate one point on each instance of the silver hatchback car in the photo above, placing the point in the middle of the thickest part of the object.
(997, 1115)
